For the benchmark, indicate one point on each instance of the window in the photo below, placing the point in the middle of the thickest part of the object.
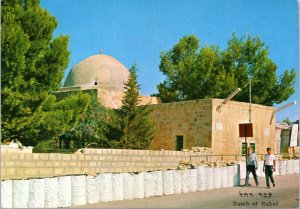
(252, 145)
(95, 83)
(244, 148)
(179, 143)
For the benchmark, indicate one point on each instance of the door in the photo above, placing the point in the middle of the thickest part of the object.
(179, 143)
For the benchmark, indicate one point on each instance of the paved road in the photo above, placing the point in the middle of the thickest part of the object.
(284, 195)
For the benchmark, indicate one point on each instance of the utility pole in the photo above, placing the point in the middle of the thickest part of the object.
(249, 101)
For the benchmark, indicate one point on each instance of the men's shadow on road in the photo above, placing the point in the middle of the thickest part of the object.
(253, 187)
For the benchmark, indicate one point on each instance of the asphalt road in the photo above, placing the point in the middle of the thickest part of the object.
(284, 195)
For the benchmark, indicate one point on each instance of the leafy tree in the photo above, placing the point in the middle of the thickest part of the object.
(135, 129)
(92, 127)
(287, 121)
(207, 72)
(54, 117)
(32, 62)
(43, 146)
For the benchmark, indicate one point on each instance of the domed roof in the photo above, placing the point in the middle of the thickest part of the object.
(99, 70)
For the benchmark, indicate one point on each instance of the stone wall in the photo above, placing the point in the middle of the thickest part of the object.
(190, 119)
(90, 161)
(9, 149)
(225, 126)
(205, 123)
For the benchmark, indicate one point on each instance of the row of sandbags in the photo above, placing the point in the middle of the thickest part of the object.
(65, 191)
(286, 167)
(283, 167)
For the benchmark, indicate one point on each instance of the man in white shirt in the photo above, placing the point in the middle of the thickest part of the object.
(269, 166)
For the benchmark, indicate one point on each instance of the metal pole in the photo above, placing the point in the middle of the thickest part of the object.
(246, 143)
(250, 101)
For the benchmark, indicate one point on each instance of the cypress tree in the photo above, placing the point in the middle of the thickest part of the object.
(136, 127)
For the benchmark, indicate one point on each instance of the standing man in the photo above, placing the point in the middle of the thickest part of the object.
(252, 165)
(269, 167)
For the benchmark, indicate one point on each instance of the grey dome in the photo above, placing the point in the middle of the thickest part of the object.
(99, 70)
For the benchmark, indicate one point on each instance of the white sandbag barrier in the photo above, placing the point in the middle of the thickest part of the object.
(229, 176)
(168, 186)
(105, 187)
(184, 181)
(200, 178)
(6, 194)
(148, 184)
(224, 179)
(158, 187)
(92, 189)
(209, 178)
(217, 177)
(177, 181)
(192, 180)
(117, 187)
(36, 197)
(51, 198)
(289, 167)
(78, 190)
(282, 167)
(277, 169)
(20, 193)
(260, 171)
(236, 175)
(139, 185)
(295, 165)
(128, 186)
(64, 191)
(242, 170)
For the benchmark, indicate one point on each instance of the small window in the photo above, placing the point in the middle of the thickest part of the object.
(244, 148)
(95, 83)
(179, 143)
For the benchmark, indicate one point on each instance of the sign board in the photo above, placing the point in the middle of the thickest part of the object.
(294, 135)
(219, 126)
(267, 132)
(246, 130)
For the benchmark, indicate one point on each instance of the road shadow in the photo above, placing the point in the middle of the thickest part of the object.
(254, 187)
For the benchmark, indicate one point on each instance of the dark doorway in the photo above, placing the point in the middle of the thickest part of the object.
(179, 143)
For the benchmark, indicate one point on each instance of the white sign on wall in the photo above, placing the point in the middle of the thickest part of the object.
(267, 132)
(294, 135)
(219, 126)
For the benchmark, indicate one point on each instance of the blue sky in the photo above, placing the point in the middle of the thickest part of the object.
(137, 31)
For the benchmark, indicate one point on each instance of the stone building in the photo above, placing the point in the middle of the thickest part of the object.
(209, 123)
(105, 76)
(179, 125)
(283, 132)
(284, 138)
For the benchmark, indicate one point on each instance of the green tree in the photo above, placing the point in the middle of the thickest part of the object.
(92, 127)
(196, 73)
(287, 121)
(32, 63)
(54, 117)
(135, 126)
